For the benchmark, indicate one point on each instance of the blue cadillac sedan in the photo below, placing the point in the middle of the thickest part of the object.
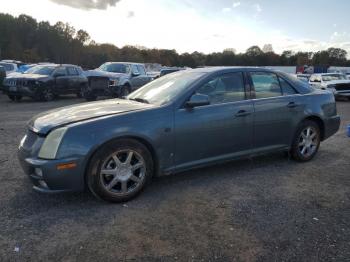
(181, 121)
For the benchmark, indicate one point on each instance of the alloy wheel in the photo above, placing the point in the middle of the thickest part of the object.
(308, 141)
(123, 172)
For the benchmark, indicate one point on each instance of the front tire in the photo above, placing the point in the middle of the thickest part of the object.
(306, 141)
(15, 98)
(47, 95)
(119, 170)
(125, 91)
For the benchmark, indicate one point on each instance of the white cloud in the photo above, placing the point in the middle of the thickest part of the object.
(236, 4)
(226, 9)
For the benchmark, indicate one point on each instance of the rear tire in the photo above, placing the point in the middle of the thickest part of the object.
(306, 141)
(15, 98)
(119, 170)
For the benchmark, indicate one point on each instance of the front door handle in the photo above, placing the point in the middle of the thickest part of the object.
(242, 113)
(292, 105)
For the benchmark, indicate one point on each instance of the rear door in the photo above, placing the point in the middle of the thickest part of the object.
(221, 130)
(61, 80)
(144, 78)
(73, 80)
(136, 79)
(277, 108)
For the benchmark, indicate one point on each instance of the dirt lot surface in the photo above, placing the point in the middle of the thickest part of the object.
(265, 209)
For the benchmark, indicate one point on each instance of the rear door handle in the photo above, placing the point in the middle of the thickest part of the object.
(242, 113)
(292, 105)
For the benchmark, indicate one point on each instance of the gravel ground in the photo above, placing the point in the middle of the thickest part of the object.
(265, 209)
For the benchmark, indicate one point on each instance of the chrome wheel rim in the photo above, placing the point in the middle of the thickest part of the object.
(123, 172)
(48, 95)
(308, 141)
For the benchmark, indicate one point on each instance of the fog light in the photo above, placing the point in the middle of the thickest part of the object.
(43, 184)
(38, 172)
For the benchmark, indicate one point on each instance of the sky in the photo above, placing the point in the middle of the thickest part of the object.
(200, 25)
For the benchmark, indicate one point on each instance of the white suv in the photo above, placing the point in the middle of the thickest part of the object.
(339, 84)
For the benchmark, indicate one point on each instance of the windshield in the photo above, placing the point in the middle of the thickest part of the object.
(41, 70)
(115, 68)
(165, 89)
(8, 67)
(333, 77)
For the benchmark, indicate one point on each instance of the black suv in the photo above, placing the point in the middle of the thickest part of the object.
(45, 82)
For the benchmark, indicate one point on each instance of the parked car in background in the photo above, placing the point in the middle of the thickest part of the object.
(9, 67)
(334, 82)
(18, 63)
(45, 82)
(154, 74)
(2, 75)
(169, 70)
(184, 120)
(25, 67)
(124, 78)
(303, 77)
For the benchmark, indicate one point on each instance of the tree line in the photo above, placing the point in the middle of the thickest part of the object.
(24, 38)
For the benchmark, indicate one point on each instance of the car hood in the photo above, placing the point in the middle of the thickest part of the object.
(27, 76)
(97, 72)
(335, 82)
(45, 122)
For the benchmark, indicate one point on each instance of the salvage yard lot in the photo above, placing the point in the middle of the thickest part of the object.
(268, 208)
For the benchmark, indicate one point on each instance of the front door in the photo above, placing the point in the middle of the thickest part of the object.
(223, 129)
(61, 81)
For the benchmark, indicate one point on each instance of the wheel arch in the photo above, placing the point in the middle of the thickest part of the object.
(318, 120)
(139, 139)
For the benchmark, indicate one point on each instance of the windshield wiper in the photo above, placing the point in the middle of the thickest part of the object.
(141, 100)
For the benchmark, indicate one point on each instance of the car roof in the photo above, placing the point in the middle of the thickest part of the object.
(129, 63)
(324, 74)
(233, 68)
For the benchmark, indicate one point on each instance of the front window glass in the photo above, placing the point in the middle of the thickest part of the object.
(333, 77)
(287, 89)
(114, 68)
(265, 85)
(61, 71)
(41, 70)
(165, 89)
(141, 69)
(224, 89)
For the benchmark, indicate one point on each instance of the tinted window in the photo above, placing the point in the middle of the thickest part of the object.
(114, 68)
(224, 89)
(287, 89)
(72, 71)
(167, 88)
(135, 70)
(265, 85)
(333, 77)
(41, 70)
(61, 71)
(141, 69)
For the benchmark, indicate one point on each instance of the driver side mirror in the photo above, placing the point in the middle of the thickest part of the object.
(135, 74)
(198, 100)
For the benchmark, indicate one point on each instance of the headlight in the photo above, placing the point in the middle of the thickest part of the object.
(50, 146)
